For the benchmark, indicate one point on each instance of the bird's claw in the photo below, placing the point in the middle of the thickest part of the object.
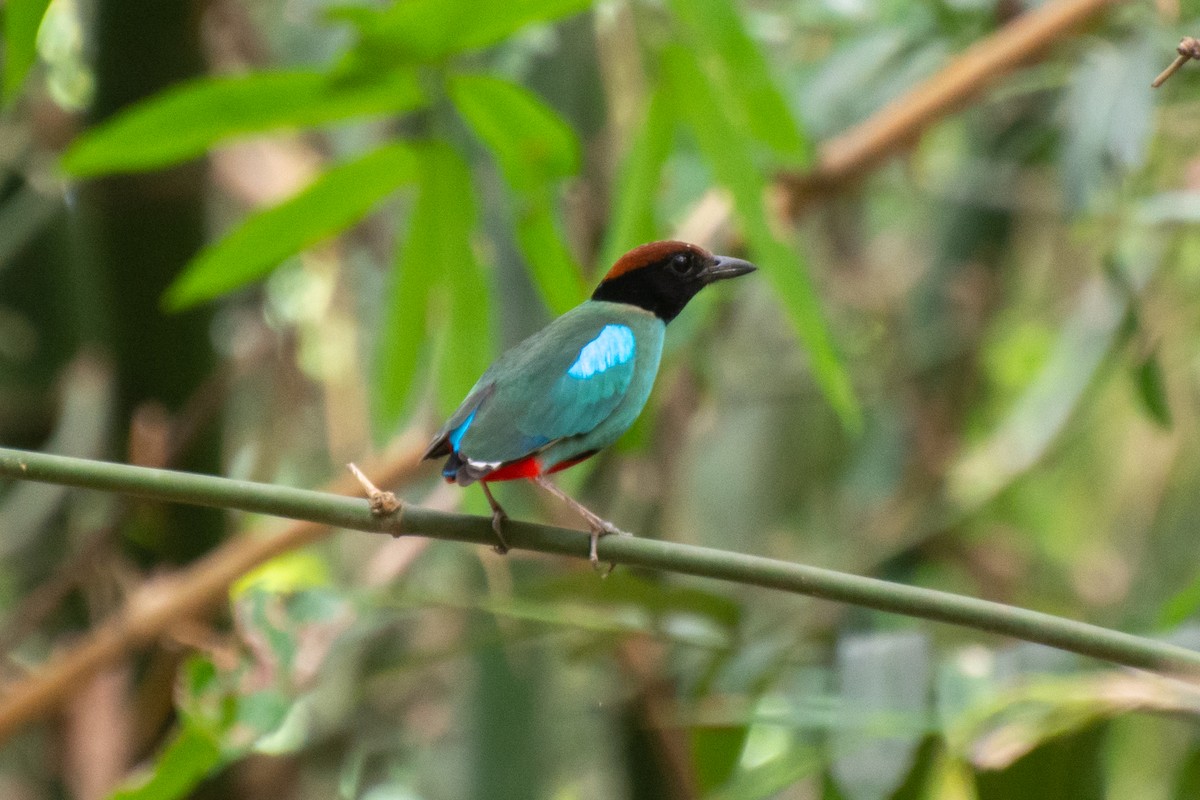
(603, 528)
(615, 531)
(498, 518)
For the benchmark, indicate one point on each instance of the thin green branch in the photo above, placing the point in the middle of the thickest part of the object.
(344, 512)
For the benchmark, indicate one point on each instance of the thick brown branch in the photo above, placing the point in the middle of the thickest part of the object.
(895, 126)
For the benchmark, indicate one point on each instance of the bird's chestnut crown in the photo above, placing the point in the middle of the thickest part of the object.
(662, 277)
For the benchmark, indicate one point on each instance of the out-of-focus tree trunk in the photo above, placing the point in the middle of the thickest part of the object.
(137, 232)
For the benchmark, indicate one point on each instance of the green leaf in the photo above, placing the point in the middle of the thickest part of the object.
(1109, 114)
(468, 333)
(22, 18)
(554, 270)
(437, 253)
(508, 738)
(1181, 607)
(531, 142)
(773, 777)
(1152, 390)
(183, 122)
(740, 77)
(534, 148)
(734, 168)
(332, 203)
(469, 325)
(638, 183)
(715, 753)
(192, 755)
(423, 31)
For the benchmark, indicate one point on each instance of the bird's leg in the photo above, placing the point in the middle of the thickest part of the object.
(498, 517)
(598, 527)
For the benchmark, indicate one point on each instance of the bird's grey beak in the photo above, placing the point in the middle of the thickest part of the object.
(724, 267)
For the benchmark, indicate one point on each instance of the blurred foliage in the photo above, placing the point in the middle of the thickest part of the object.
(977, 369)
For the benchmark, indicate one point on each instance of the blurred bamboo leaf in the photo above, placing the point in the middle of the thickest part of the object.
(1024, 720)
(1152, 390)
(1109, 116)
(436, 253)
(950, 779)
(772, 778)
(192, 755)
(858, 77)
(1047, 403)
(734, 168)
(1188, 780)
(22, 19)
(228, 712)
(506, 735)
(534, 148)
(185, 121)
(469, 324)
(422, 31)
(623, 588)
(1171, 207)
(638, 181)
(333, 202)
(882, 676)
(740, 77)
(290, 572)
(533, 145)
(551, 265)
(715, 753)
(1182, 606)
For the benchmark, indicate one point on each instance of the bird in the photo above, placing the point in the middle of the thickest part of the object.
(572, 388)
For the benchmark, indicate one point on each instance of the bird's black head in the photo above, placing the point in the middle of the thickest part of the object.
(662, 277)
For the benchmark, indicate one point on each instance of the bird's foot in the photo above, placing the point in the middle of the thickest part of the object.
(600, 527)
(499, 517)
(597, 526)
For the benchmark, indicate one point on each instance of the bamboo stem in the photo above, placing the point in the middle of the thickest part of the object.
(161, 603)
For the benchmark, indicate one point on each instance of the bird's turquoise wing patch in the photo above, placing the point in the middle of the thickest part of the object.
(590, 388)
(613, 346)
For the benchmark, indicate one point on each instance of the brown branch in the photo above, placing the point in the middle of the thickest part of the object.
(192, 592)
(1188, 49)
(897, 124)
(45, 598)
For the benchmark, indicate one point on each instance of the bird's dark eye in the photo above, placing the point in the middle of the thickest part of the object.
(681, 263)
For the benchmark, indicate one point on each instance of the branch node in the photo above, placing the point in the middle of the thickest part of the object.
(1188, 49)
(382, 503)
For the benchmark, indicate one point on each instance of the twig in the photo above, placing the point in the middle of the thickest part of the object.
(382, 503)
(1188, 49)
(160, 603)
